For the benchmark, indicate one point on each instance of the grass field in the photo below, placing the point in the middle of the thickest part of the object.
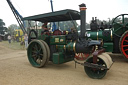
(13, 45)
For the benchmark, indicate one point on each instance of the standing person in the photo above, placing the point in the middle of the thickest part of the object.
(0, 39)
(9, 39)
(26, 40)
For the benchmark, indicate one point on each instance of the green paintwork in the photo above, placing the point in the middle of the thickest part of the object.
(45, 38)
(59, 58)
(95, 35)
(63, 51)
(69, 46)
(108, 46)
(58, 40)
(108, 43)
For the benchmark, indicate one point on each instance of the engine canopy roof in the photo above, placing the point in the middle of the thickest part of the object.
(62, 15)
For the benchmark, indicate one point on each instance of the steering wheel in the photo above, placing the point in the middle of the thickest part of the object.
(120, 25)
(32, 35)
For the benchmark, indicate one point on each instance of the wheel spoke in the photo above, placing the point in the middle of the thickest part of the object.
(35, 58)
(126, 40)
(117, 29)
(41, 54)
(125, 45)
(40, 49)
(33, 48)
(34, 52)
(33, 55)
(126, 50)
(116, 34)
(36, 47)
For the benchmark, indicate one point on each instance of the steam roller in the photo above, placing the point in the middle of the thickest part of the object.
(60, 47)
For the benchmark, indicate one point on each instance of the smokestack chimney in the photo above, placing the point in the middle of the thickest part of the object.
(83, 19)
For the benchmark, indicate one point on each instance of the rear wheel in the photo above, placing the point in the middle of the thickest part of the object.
(47, 51)
(37, 53)
(124, 45)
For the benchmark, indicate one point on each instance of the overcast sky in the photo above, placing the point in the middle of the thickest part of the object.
(102, 9)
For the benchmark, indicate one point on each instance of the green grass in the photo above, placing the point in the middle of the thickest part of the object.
(12, 45)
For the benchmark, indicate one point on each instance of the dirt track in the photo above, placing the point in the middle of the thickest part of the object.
(16, 70)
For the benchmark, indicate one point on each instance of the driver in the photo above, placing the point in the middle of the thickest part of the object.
(45, 29)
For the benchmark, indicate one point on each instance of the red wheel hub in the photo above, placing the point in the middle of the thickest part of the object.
(81, 56)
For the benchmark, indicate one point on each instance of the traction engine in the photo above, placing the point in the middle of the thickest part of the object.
(115, 36)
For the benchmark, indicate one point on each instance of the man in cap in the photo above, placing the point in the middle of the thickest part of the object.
(45, 29)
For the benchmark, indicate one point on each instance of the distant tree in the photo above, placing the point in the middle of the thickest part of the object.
(2, 28)
(2, 24)
(87, 26)
(11, 28)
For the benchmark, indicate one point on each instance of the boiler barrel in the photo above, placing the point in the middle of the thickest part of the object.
(97, 35)
(75, 47)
